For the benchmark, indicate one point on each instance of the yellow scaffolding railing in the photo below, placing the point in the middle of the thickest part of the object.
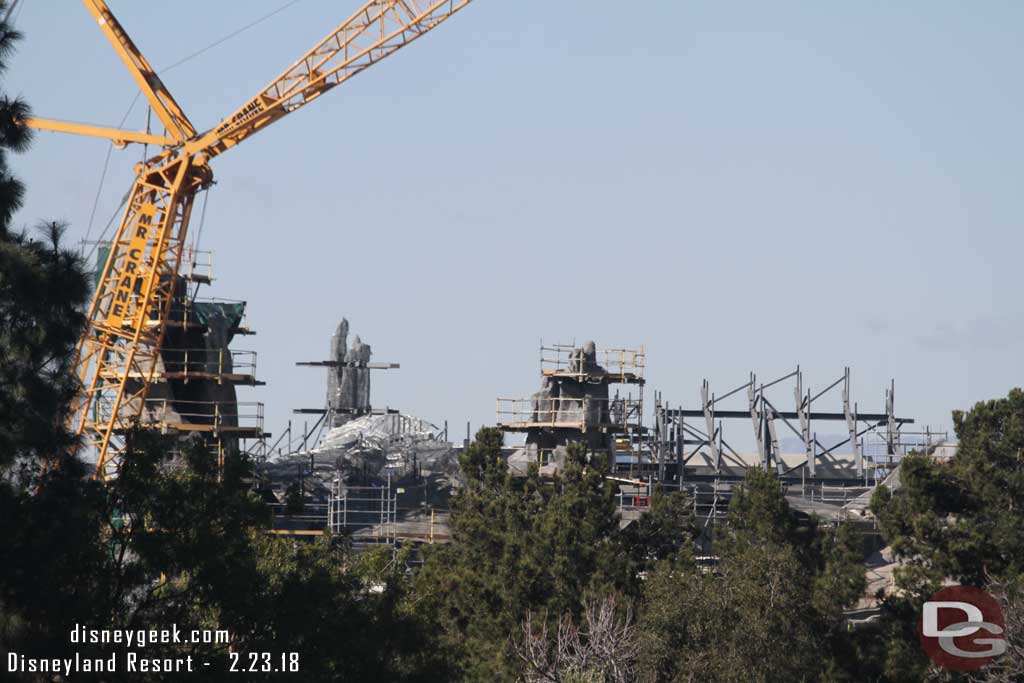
(217, 365)
(569, 413)
(618, 365)
(241, 418)
(196, 265)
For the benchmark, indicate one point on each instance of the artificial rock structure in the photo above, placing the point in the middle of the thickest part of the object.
(348, 381)
(576, 405)
(362, 471)
(192, 388)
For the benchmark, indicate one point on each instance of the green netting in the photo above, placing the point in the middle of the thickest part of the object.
(208, 312)
(102, 252)
(222, 315)
(221, 319)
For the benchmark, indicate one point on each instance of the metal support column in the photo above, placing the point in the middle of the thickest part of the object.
(851, 424)
(754, 399)
(709, 418)
(803, 406)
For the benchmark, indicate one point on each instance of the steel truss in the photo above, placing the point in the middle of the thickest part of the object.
(681, 435)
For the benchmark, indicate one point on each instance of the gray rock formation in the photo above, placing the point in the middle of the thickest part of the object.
(578, 396)
(576, 401)
(583, 361)
(348, 383)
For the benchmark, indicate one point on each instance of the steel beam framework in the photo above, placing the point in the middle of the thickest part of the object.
(682, 434)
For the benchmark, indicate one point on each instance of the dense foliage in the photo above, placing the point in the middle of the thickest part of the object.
(518, 545)
(960, 520)
(770, 609)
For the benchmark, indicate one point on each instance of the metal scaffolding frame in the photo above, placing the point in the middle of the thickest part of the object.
(366, 514)
(621, 366)
(676, 438)
(617, 419)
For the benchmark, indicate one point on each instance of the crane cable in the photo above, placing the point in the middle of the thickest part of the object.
(230, 35)
(8, 19)
(106, 161)
(199, 236)
(99, 191)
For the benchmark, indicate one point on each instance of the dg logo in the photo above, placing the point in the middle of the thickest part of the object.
(962, 628)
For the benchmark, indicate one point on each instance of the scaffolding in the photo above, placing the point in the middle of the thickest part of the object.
(576, 405)
(619, 366)
(365, 514)
(696, 437)
(196, 265)
(186, 313)
(580, 414)
(241, 418)
(222, 366)
(190, 382)
(709, 500)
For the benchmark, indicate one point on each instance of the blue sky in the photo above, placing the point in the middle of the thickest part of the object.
(735, 185)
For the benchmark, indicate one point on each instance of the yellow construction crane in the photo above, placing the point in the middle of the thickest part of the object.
(118, 352)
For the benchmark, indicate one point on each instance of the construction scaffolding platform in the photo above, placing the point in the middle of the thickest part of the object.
(196, 266)
(189, 314)
(215, 365)
(366, 514)
(615, 366)
(239, 419)
(579, 414)
(193, 325)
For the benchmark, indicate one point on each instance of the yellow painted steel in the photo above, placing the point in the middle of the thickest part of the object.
(118, 354)
(160, 99)
(119, 137)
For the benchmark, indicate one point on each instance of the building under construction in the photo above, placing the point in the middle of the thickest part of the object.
(827, 452)
(194, 376)
(155, 354)
(586, 396)
(373, 475)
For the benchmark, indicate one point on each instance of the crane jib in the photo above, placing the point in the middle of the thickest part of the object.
(131, 277)
(250, 111)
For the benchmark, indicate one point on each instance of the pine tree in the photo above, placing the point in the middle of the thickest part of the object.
(520, 545)
(43, 288)
(50, 550)
(770, 609)
(957, 520)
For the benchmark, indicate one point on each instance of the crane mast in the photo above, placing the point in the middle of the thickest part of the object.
(119, 351)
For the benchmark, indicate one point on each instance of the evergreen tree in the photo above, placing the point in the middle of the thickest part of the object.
(519, 545)
(43, 288)
(769, 610)
(666, 529)
(957, 520)
(51, 555)
(962, 519)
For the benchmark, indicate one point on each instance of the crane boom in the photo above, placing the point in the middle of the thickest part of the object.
(377, 30)
(120, 350)
(160, 99)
